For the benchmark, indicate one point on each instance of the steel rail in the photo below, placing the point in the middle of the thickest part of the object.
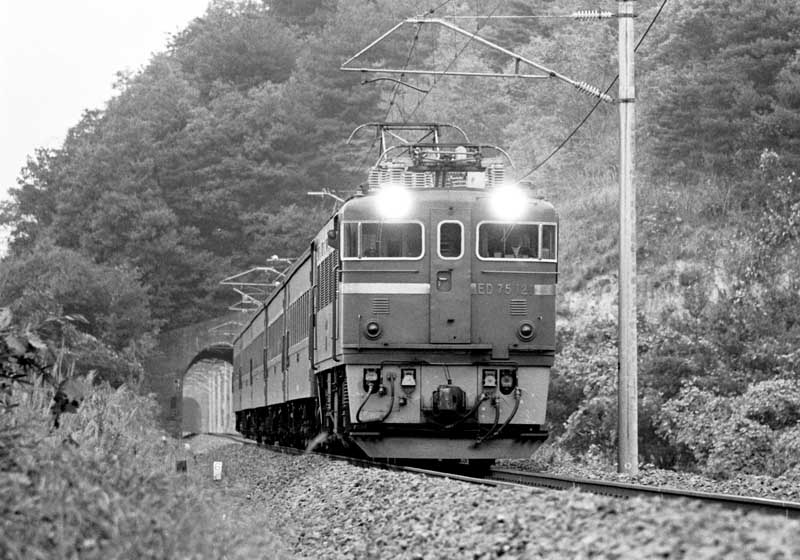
(788, 509)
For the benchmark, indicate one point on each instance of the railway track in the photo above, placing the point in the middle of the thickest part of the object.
(790, 510)
(506, 477)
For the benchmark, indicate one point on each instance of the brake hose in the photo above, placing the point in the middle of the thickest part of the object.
(496, 422)
(492, 433)
(517, 399)
(366, 398)
(369, 394)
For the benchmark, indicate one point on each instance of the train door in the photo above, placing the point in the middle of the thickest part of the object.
(448, 240)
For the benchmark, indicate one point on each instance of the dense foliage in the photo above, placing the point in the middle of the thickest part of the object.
(103, 486)
(198, 168)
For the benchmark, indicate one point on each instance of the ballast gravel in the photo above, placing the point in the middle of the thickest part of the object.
(309, 507)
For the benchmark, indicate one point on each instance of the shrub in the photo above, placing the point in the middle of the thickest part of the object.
(775, 402)
(785, 458)
(753, 433)
(594, 424)
(740, 446)
(692, 420)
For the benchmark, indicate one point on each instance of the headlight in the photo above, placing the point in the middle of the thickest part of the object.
(526, 332)
(372, 330)
(508, 202)
(393, 201)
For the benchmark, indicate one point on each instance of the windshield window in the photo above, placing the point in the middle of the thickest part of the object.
(450, 235)
(383, 240)
(513, 241)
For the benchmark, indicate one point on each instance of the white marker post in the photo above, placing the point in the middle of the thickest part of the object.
(217, 470)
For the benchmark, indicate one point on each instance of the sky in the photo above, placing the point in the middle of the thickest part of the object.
(60, 57)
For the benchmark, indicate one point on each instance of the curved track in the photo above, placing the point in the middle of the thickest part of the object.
(787, 509)
(505, 477)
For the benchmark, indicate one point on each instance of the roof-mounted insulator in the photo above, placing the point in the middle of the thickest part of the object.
(586, 15)
(593, 91)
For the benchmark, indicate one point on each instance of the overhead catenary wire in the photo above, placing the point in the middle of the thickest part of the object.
(439, 7)
(400, 82)
(597, 103)
(458, 54)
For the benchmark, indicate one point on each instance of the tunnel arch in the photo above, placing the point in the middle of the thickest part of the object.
(221, 351)
(178, 352)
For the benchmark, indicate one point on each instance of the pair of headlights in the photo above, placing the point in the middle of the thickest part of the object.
(507, 202)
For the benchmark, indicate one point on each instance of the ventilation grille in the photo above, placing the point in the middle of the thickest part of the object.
(519, 307)
(380, 306)
(327, 281)
(495, 174)
(399, 175)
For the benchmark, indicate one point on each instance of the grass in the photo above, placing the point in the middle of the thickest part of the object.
(102, 486)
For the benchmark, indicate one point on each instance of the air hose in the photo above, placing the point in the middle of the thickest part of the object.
(496, 422)
(369, 394)
(494, 432)
(366, 398)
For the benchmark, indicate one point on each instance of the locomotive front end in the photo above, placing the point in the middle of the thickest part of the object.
(447, 316)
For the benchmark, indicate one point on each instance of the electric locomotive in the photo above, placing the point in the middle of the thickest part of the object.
(420, 323)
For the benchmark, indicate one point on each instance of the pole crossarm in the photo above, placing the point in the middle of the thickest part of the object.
(236, 279)
(543, 72)
(250, 286)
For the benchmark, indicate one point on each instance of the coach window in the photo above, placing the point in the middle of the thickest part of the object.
(383, 240)
(516, 241)
(451, 235)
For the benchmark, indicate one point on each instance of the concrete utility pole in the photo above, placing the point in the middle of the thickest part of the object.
(627, 395)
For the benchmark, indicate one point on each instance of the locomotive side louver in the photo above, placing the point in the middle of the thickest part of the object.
(495, 174)
(327, 281)
(380, 306)
(519, 307)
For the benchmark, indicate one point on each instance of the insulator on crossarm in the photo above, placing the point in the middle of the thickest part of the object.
(593, 91)
(587, 15)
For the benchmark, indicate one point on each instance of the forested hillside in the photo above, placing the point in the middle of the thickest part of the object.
(198, 168)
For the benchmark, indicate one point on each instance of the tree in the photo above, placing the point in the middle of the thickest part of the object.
(55, 282)
(236, 43)
(729, 59)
